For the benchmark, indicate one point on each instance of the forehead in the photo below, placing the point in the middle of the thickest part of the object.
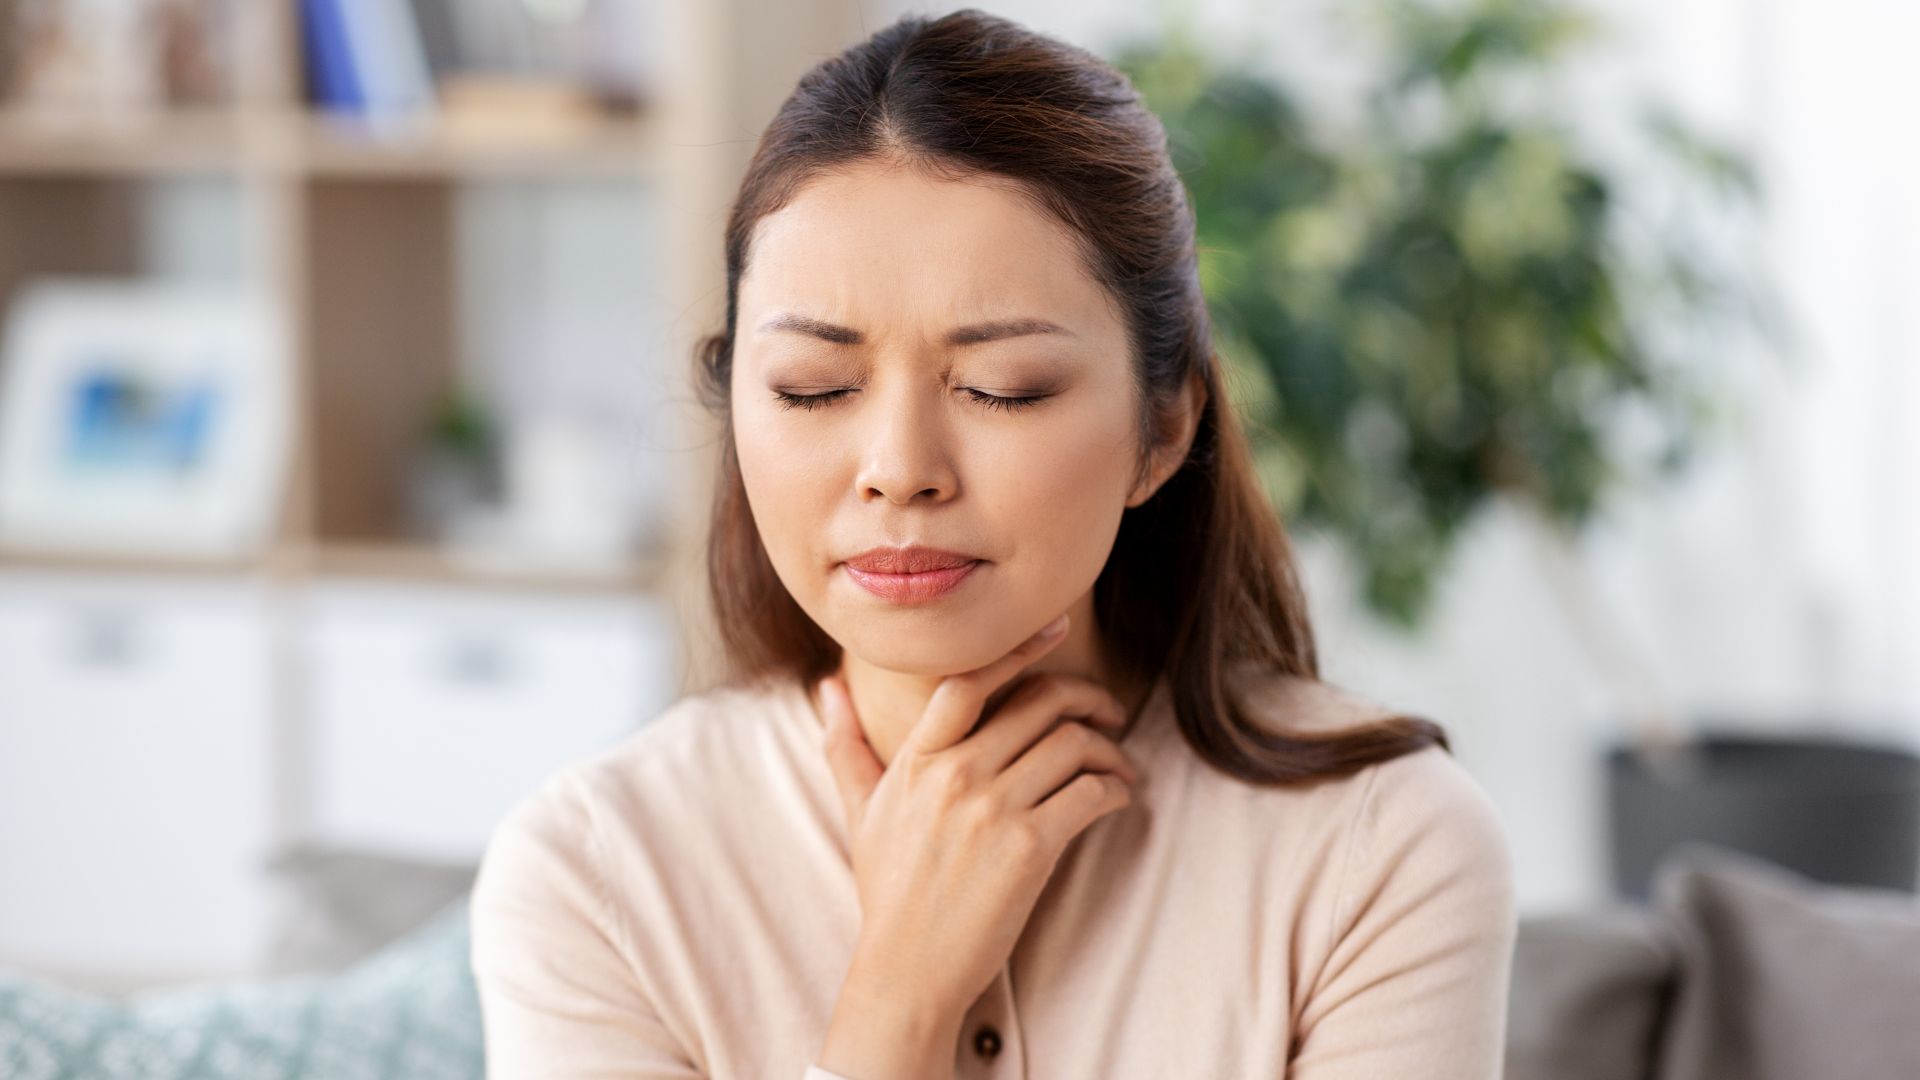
(894, 249)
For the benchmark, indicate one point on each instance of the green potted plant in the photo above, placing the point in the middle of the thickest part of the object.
(1441, 307)
(456, 472)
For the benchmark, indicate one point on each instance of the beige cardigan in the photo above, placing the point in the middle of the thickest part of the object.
(681, 905)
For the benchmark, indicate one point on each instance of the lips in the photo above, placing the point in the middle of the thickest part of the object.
(910, 574)
(908, 560)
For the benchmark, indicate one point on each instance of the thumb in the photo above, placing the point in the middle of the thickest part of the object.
(856, 768)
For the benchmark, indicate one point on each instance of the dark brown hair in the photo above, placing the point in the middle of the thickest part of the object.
(1201, 577)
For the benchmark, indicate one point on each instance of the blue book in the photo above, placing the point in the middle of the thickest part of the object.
(389, 63)
(330, 62)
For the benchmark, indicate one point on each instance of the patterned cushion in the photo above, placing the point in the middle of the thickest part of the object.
(409, 1010)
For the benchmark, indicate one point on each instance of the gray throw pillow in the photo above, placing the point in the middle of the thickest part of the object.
(1786, 978)
(1589, 990)
(342, 903)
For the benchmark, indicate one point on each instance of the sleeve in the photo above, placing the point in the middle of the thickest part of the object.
(1416, 981)
(557, 998)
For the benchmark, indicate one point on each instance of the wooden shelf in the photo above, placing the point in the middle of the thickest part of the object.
(17, 556)
(358, 238)
(390, 281)
(421, 561)
(300, 142)
(396, 559)
(34, 143)
(617, 148)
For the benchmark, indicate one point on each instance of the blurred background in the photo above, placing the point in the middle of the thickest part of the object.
(346, 436)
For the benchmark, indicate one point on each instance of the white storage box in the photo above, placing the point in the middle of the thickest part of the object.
(136, 732)
(431, 709)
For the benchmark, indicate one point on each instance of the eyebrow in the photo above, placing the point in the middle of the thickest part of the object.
(974, 334)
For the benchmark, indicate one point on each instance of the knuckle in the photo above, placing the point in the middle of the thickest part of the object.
(949, 781)
(1026, 839)
(1094, 785)
(1082, 738)
(1066, 691)
(976, 815)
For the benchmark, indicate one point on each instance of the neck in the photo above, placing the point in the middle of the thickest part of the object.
(889, 703)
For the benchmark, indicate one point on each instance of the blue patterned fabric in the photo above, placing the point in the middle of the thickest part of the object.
(410, 1010)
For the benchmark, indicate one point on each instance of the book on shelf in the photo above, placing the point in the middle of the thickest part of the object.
(523, 67)
(366, 59)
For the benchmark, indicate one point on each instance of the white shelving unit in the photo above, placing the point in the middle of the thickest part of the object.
(167, 723)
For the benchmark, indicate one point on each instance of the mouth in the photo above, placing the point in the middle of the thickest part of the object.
(911, 574)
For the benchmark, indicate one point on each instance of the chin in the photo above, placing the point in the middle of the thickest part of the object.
(923, 643)
(930, 656)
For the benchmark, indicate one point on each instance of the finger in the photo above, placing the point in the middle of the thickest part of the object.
(856, 768)
(957, 702)
(1084, 799)
(1071, 748)
(1039, 703)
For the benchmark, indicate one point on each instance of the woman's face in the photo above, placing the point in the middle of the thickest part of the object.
(920, 306)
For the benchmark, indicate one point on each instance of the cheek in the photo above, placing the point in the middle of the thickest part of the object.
(783, 482)
(1057, 494)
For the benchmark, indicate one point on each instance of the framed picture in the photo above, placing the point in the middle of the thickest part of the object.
(142, 417)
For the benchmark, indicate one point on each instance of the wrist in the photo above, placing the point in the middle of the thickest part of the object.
(883, 1031)
(883, 975)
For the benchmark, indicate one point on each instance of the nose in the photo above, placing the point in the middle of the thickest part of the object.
(906, 455)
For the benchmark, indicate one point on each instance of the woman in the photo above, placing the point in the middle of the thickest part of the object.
(969, 397)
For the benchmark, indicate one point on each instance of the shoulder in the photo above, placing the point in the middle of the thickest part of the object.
(1419, 813)
(1409, 940)
(1426, 802)
(586, 848)
(651, 777)
(1426, 849)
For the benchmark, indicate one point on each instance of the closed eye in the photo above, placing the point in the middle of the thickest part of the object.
(1009, 404)
(990, 401)
(808, 401)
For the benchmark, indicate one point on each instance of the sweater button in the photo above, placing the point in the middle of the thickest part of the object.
(986, 1041)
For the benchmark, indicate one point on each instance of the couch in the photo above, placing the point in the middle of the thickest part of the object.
(1736, 969)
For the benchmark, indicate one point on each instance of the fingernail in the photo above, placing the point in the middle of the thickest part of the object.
(1054, 629)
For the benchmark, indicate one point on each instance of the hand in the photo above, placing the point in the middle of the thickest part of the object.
(954, 839)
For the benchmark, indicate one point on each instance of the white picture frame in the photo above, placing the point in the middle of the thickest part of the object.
(142, 417)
